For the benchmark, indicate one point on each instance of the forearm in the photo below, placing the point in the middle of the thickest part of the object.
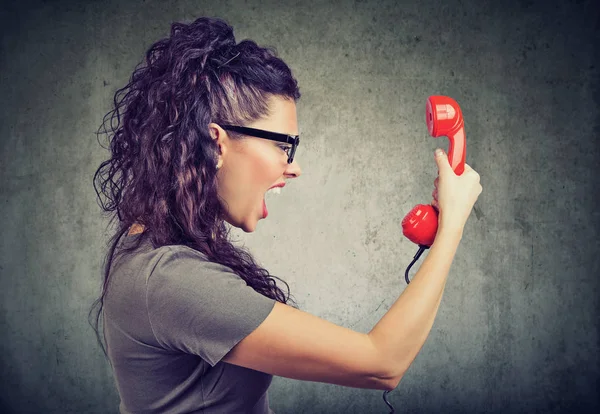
(402, 331)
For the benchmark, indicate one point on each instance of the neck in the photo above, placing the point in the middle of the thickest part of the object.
(135, 229)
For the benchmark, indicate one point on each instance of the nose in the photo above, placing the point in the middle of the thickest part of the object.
(293, 170)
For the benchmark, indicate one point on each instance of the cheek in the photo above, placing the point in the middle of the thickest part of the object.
(264, 168)
(253, 169)
(252, 173)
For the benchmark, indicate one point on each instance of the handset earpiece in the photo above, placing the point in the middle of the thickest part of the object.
(444, 118)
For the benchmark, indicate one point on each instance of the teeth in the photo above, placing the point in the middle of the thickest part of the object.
(275, 190)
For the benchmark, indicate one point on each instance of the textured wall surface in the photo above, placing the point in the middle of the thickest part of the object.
(517, 330)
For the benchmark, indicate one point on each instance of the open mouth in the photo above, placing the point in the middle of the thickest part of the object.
(273, 190)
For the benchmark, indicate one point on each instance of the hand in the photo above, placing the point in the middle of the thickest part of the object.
(454, 196)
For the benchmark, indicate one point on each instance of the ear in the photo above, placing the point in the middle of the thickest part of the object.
(220, 137)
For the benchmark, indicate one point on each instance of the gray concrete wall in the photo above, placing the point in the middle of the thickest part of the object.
(517, 330)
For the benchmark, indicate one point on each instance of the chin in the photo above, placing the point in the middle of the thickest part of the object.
(247, 226)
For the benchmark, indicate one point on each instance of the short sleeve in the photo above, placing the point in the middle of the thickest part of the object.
(201, 307)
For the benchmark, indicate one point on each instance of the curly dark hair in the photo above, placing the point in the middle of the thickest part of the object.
(162, 169)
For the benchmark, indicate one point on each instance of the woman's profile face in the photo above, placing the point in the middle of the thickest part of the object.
(250, 166)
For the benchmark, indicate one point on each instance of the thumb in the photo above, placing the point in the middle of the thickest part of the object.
(441, 158)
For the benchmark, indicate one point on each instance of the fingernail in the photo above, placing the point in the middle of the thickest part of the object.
(438, 152)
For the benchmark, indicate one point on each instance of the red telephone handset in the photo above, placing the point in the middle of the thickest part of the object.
(444, 118)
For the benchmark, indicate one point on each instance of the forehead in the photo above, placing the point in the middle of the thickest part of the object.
(281, 117)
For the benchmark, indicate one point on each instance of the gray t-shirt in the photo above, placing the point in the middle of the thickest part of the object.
(170, 316)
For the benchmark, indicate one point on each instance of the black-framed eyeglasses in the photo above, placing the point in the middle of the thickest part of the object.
(294, 140)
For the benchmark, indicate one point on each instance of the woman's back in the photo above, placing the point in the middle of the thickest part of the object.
(169, 318)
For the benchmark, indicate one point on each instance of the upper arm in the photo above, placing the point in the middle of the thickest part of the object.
(295, 344)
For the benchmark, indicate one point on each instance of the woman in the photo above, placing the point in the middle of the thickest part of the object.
(191, 322)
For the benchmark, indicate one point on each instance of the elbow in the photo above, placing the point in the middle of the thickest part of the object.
(389, 373)
(391, 377)
(390, 383)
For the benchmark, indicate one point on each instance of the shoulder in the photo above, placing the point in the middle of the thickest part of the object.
(184, 267)
(171, 253)
(175, 257)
